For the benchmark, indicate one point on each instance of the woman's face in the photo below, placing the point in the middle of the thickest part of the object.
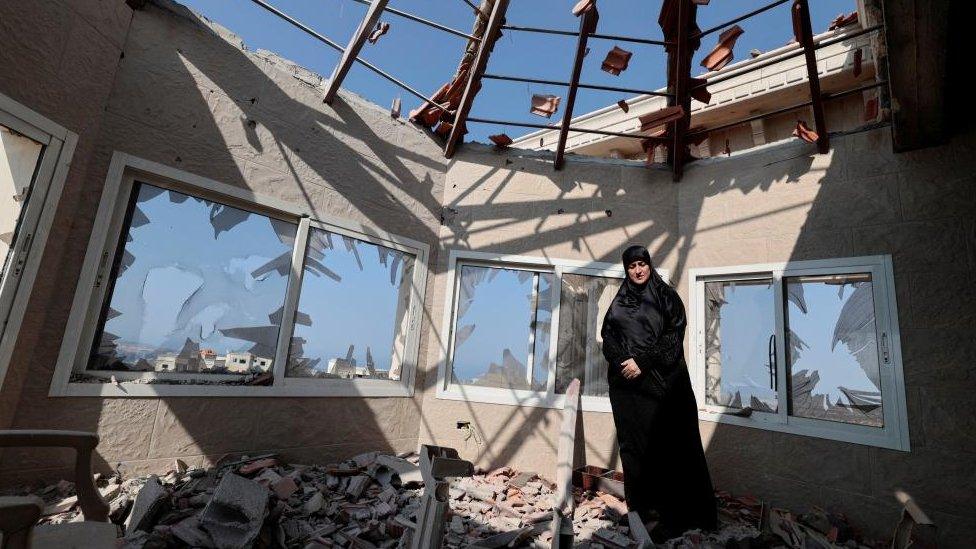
(638, 271)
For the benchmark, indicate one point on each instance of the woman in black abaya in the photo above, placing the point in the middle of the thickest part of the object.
(653, 403)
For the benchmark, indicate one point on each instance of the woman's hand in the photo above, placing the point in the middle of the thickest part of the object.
(630, 369)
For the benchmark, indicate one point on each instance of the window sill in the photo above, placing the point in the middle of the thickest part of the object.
(511, 397)
(855, 434)
(287, 388)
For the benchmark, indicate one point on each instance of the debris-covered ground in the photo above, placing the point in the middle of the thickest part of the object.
(371, 500)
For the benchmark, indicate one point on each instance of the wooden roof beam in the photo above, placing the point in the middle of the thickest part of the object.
(495, 20)
(587, 26)
(802, 11)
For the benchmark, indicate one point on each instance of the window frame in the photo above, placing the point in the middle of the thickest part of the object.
(446, 390)
(83, 323)
(36, 218)
(893, 435)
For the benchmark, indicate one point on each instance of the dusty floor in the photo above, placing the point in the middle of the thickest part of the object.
(371, 500)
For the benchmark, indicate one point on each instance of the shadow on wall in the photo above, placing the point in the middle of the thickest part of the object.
(187, 99)
(774, 204)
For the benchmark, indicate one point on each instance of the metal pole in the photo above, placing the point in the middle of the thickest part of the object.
(753, 13)
(423, 21)
(587, 25)
(564, 84)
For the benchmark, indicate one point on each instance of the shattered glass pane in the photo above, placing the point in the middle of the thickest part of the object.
(583, 302)
(493, 325)
(352, 313)
(199, 289)
(833, 351)
(18, 161)
(543, 326)
(739, 326)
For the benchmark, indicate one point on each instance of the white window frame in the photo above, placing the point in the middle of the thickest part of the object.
(35, 219)
(447, 390)
(82, 325)
(893, 435)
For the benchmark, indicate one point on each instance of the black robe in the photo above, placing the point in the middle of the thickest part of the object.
(655, 414)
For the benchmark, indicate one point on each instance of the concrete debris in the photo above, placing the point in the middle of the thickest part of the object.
(355, 504)
(149, 501)
(236, 512)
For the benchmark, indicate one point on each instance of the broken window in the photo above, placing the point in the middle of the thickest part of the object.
(501, 328)
(197, 287)
(739, 367)
(520, 333)
(833, 350)
(19, 157)
(352, 313)
(805, 348)
(583, 302)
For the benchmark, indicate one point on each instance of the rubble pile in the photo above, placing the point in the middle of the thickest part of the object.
(371, 501)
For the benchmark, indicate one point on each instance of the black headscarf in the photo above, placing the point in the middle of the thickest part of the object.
(636, 314)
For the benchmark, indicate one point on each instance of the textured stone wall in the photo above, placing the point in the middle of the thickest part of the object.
(185, 94)
(58, 58)
(778, 203)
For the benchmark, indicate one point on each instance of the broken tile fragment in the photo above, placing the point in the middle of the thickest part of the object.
(843, 20)
(544, 105)
(501, 139)
(699, 91)
(583, 6)
(256, 466)
(661, 117)
(382, 28)
(395, 108)
(616, 61)
(623, 105)
(721, 55)
(804, 132)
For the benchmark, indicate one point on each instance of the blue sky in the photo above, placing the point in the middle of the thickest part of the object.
(425, 58)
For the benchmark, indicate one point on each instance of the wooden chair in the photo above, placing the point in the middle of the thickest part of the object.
(19, 515)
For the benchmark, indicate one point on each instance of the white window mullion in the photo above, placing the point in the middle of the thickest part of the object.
(534, 305)
(781, 339)
(111, 247)
(290, 307)
(556, 296)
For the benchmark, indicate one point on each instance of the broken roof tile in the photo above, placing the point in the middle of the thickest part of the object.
(617, 60)
(544, 105)
(623, 105)
(721, 55)
(501, 139)
(843, 20)
(660, 117)
(699, 93)
(382, 28)
(583, 6)
(700, 2)
(395, 108)
(804, 132)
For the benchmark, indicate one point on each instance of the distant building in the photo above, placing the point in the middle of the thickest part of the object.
(245, 362)
(209, 358)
